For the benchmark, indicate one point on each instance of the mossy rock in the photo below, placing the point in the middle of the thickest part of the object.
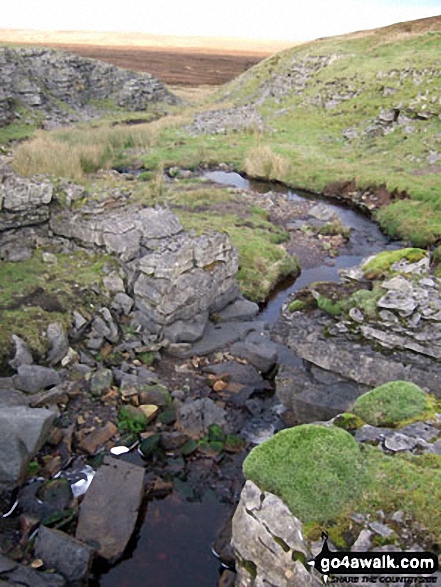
(132, 419)
(329, 306)
(380, 265)
(348, 421)
(367, 300)
(315, 470)
(296, 306)
(233, 443)
(150, 446)
(392, 403)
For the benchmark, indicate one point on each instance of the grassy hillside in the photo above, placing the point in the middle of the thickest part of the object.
(363, 107)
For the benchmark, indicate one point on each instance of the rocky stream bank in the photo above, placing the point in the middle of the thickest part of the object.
(166, 382)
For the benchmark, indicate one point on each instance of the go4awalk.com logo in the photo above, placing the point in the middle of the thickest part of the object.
(373, 567)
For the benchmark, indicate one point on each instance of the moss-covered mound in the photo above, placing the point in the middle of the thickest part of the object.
(392, 403)
(381, 264)
(316, 470)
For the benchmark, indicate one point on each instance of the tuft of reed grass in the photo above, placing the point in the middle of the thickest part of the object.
(264, 163)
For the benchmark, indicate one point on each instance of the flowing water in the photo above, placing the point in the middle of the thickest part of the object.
(173, 545)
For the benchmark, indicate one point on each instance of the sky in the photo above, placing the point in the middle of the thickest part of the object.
(255, 19)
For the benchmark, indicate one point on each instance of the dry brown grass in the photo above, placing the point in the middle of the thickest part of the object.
(75, 152)
(264, 163)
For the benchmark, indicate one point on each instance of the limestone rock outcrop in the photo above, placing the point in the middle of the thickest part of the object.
(63, 87)
(396, 338)
(268, 542)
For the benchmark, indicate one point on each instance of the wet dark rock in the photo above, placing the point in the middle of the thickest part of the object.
(240, 309)
(227, 579)
(155, 394)
(32, 378)
(148, 447)
(46, 500)
(19, 575)
(217, 337)
(110, 507)
(69, 557)
(100, 382)
(258, 350)
(311, 399)
(22, 354)
(59, 343)
(222, 545)
(196, 416)
(372, 434)
(173, 440)
(237, 372)
(181, 331)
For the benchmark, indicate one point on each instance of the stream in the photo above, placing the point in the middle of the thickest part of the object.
(172, 547)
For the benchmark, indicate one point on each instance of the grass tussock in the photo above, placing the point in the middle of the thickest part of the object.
(264, 163)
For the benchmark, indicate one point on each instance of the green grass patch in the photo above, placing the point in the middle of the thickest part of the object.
(392, 403)
(316, 470)
(33, 294)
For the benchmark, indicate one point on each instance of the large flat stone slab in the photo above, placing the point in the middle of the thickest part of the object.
(110, 507)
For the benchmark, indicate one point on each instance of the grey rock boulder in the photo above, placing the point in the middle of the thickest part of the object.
(101, 381)
(68, 556)
(33, 378)
(22, 354)
(19, 575)
(323, 212)
(59, 343)
(31, 425)
(240, 309)
(196, 416)
(258, 350)
(14, 459)
(258, 519)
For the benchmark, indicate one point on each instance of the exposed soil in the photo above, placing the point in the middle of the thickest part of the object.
(173, 66)
(38, 297)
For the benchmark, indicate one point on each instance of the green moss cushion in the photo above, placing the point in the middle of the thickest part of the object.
(315, 470)
(391, 403)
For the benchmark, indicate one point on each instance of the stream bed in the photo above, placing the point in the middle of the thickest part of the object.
(173, 545)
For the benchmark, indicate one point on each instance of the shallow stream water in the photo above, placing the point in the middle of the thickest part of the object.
(173, 545)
